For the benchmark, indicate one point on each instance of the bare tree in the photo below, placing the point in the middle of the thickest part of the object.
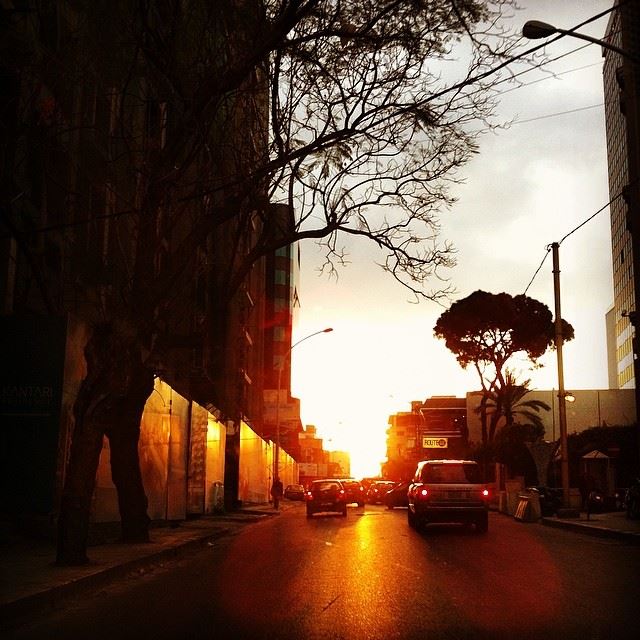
(355, 114)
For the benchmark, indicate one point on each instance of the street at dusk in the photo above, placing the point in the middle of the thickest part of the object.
(370, 576)
(319, 319)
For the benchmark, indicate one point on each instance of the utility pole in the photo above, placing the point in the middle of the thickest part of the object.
(562, 407)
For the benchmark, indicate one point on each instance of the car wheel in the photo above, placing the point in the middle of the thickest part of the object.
(361, 504)
(482, 523)
(344, 511)
(411, 519)
(309, 513)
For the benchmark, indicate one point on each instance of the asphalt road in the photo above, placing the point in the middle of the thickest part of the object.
(370, 576)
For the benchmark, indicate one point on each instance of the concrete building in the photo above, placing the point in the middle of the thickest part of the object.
(591, 408)
(446, 426)
(432, 429)
(621, 78)
(315, 462)
(98, 192)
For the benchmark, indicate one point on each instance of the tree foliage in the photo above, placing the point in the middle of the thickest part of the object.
(509, 402)
(486, 330)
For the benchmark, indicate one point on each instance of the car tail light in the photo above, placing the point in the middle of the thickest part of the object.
(485, 493)
(423, 493)
(342, 492)
(309, 495)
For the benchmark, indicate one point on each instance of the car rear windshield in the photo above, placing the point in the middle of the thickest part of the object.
(445, 473)
(324, 486)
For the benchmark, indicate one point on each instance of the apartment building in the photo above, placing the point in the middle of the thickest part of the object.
(621, 77)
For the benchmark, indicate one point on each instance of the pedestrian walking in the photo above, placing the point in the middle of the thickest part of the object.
(276, 492)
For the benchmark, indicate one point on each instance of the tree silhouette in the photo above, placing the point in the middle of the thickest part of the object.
(486, 330)
(355, 116)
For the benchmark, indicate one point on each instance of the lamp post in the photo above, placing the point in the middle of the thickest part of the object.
(535, 29)
(562, 396)
(276, 456)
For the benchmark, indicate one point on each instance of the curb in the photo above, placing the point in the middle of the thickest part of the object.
(52, 597)
(593, 530)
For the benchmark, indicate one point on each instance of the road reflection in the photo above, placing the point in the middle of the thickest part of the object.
(370, 576)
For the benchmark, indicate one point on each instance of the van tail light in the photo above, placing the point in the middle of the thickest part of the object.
(485, 493)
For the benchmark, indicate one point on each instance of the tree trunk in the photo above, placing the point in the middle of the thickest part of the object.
(110, 401)
(483, 418)
(75, 506)
(124, 434)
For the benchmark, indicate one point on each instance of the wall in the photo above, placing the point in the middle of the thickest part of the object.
(256, 467)
(175, 435)
(598, 407)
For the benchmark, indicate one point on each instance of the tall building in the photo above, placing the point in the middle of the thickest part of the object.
(435, 428)
(124, 225)
(621, 82)
(281, 295)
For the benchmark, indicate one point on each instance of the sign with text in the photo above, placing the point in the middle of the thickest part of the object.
(435, 443)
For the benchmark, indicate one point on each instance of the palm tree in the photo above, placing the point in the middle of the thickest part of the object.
(508, 402)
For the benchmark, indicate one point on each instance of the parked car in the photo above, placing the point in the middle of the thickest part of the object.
(355, 491)
(324, 496)
(397, 497)
(448, 491)
(294, 492)
(550, 499)
(377, 491)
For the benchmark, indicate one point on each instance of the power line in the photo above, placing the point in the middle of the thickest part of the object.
(537, 271)
(551, 77)
(558, 113)
(591, 217)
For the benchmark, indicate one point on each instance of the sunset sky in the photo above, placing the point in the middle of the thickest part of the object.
(530, 185)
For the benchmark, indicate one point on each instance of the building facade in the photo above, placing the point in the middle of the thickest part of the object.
(621, 77)
(435, 428)
(115, 216)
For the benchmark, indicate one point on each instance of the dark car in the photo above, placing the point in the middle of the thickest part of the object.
(377, 491)
(550, 499)
(354, 490)
(325, 496)
(448, 491)
(397, 497)
(294, 492)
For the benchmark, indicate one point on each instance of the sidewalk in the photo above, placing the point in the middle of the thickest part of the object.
(613, 524)
(31, 581)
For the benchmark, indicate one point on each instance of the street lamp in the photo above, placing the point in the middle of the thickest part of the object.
(535, 29)
(276, 456)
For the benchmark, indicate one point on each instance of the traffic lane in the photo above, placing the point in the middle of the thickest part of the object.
(372, 576)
